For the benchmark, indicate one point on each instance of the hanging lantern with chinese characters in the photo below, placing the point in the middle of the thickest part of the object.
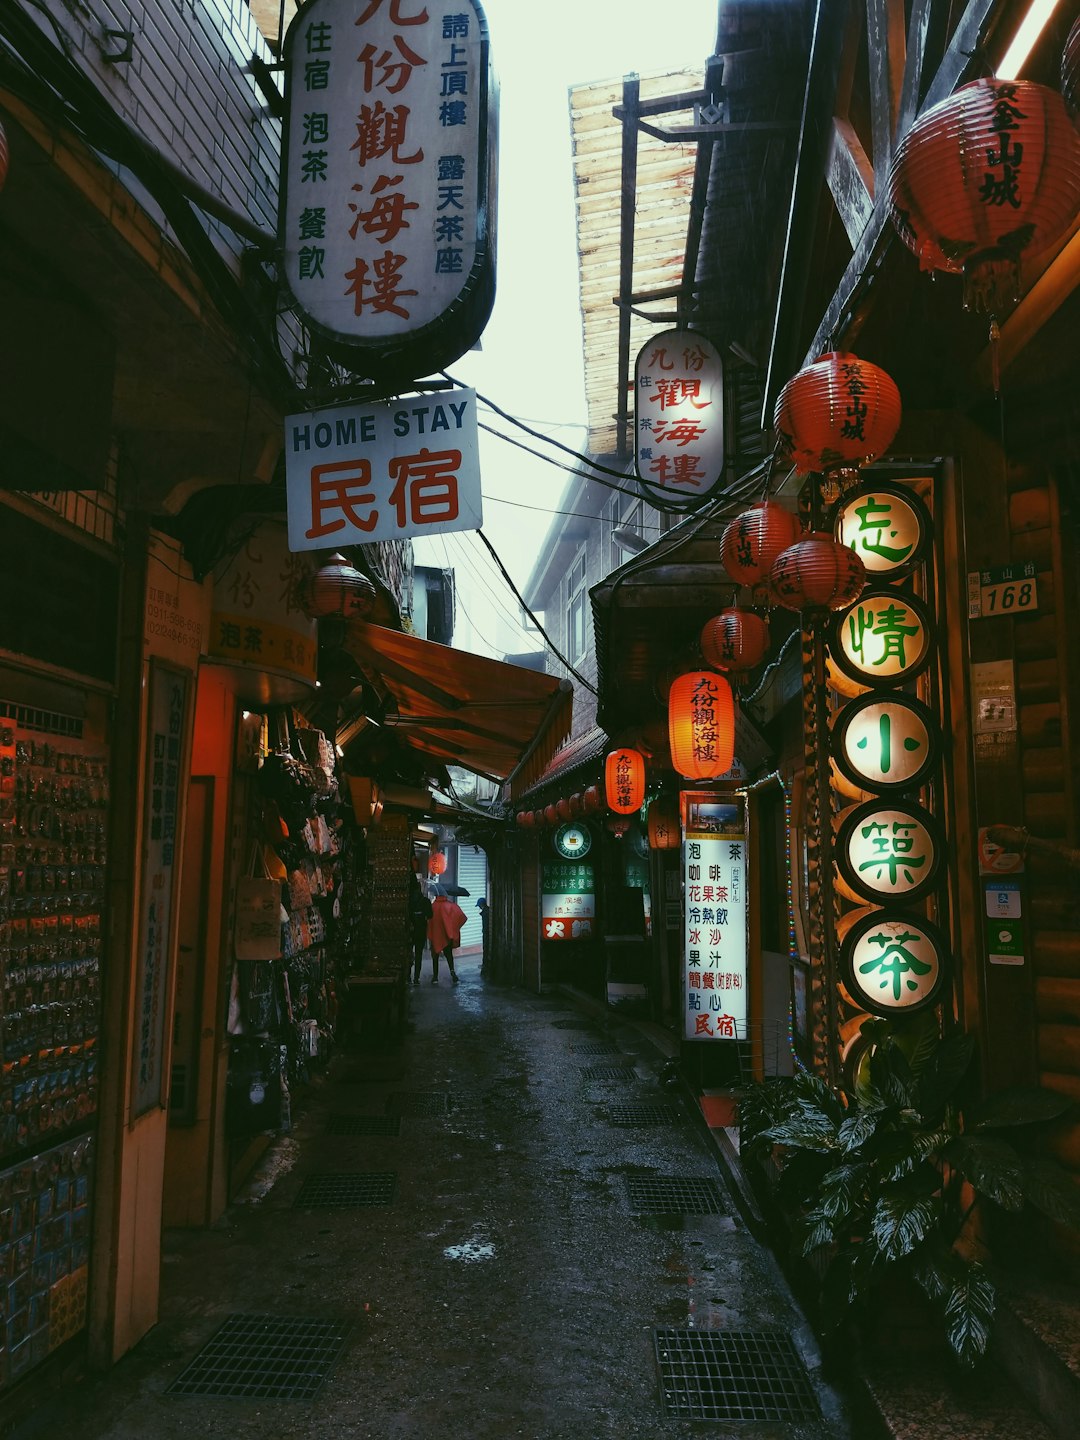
(751, 542)
(592, 801)
(837, 414)
(701, 725)
(437, 863)
(735, 640)
(624, 780)
(1070, 73)
(664, 830)
(338, 588)
(988, 175)
(817, 573)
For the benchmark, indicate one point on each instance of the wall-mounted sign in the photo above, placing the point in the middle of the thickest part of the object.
(572, 842)
(894, 962)
(994, 715)
(362, 473)
(1001, 591)
(883, 639)
(1004, 926)
(568, 901)
(889, 850)
(715, 949)
(679, 412)
(887, 526)
(885, 742)
(387, 221)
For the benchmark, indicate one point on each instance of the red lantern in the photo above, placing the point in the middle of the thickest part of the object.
(3, 157)
(562, 809)
(551, 815)
(592, 801)
(840, 411)
(817, 573)
(987, 174)
(624, 780)
(337, 589)
(538, 819)
(735, 640)
(618, 825)
(664, 830)
(1070, 74)
(577, 805)
(701, 725)
(752, 541)
(437, 863)
(526, 819)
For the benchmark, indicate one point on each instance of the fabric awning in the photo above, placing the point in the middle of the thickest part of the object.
(497, 720)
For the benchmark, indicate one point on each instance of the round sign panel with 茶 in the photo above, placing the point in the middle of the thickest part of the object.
(885, 742)
(894, 963)
(889, 850)
(883, 639)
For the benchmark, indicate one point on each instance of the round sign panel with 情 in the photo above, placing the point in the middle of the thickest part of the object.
(889, 850)
(883, 639)
(887, 526)
(894, 963)
(885, 742)
(572, 841)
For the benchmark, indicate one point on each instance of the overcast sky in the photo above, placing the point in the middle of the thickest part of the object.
(530, 361)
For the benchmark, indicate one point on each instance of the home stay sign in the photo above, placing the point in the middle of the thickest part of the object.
(360, 473)
(387, 211)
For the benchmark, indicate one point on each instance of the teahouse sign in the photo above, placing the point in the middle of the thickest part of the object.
(387, 220)
(679, 412)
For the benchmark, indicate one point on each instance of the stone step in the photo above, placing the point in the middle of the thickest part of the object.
(1037, 1343)
(927, 1398)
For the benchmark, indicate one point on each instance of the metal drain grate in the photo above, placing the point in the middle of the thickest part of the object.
(364, 1125)
(263, 1357)
(733, 1375)
(594, 1047)
(418, 1102)
(608, 1072)
(674, 1195)
(346, 1192)
(642, 1115)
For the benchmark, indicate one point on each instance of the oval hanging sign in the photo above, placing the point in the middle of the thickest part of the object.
(887, 526)
(885, 742)
(679, 412)
(889, 850)
(387, 216)
(883, 639)
(894, 963)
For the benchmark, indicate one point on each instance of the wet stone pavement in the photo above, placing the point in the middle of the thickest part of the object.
(497, 1279)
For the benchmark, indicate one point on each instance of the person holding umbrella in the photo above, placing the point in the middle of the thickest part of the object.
(444, 932)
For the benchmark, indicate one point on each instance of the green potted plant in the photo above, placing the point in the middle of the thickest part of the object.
(884, 1178)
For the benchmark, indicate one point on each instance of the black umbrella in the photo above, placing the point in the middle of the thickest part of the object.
(451, 891)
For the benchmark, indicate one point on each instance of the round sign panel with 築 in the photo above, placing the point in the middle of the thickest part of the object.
(883, 639)
(889, 850)
(885, 742)
(894, 963)
(887, 526)
(572, 841)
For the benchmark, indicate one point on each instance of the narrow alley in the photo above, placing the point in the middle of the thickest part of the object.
(505, 1275)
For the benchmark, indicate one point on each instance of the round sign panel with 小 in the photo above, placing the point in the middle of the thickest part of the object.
(883, 639)
(889, 850)
(894, 963)
(887, 526)
(885, 742)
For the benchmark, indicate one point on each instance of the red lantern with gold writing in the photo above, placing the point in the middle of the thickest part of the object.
(817, 573)
(664, 829)
(592, 802)
(837, 413)
(735, 640)
(624, 781)
(986, 176)
(752, 541)
(701, 725)
(437, 863)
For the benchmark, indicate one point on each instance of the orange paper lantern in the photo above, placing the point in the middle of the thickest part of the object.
(817, 573)
(592, 801)
(839, 412)
(985, 176)
(701, 725)
(624, 781)
(338, 588)
(437, 863)
(664, 829)
(735, 640)
(752, 541)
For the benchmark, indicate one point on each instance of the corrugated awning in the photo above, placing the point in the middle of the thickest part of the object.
(585, 750)
(497, 720)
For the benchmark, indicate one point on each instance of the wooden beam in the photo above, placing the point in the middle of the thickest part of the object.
(925, 19)
(886, 46)
(1046, 296)
(850, 177)
(962, 51)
